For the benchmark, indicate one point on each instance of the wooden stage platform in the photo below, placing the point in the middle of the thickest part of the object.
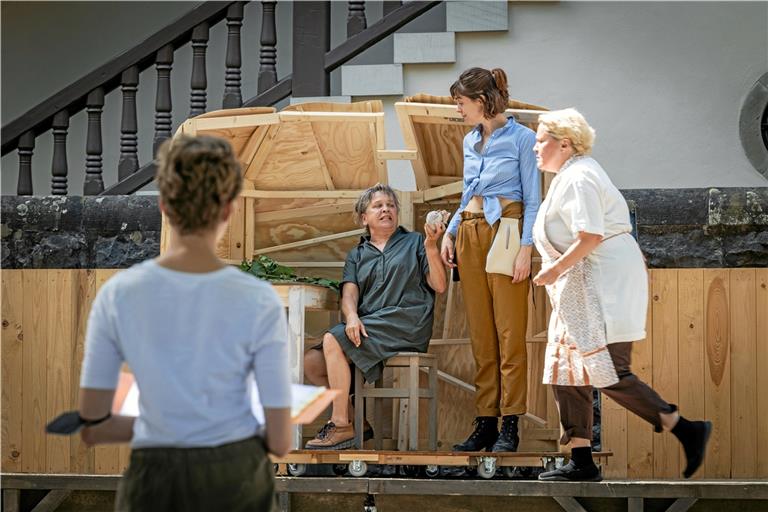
(630, 495)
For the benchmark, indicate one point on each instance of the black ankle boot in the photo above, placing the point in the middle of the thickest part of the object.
(485, 434)
(508, 438)
(693, 435)
(581, 468)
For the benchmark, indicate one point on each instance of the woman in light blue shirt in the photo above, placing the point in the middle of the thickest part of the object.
(500, 180)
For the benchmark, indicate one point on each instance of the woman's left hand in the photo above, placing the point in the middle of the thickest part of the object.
(547, 275)
(434, 232)
(522, 264)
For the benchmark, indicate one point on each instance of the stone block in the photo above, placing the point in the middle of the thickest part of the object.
(425, 47)
(476, 16)
(372, 80)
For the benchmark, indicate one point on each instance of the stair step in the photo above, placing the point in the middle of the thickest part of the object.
(476, 16)
(321, 99)
(425, 47)
(372, 80)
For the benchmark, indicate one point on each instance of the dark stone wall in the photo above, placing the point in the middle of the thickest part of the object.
(676, 228)
(78, 232)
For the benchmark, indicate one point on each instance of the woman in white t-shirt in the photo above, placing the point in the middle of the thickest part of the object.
(194, 332)
(598, 285)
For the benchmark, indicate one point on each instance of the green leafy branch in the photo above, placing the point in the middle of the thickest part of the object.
(268, 269)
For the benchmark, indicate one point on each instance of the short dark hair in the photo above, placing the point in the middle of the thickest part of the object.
(196, 177)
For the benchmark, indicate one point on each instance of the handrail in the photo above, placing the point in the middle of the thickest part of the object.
(386, 26)
(73, 97)
(282, 89)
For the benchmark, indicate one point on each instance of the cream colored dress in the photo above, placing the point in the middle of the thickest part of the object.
(583, 198)
(601, 299)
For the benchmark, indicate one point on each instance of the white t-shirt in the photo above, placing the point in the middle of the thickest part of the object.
(583, 198)
(193, 342)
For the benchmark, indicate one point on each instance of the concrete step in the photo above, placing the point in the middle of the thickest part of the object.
(321, 99)
(476, 16)
(372, 80)
(425, 47)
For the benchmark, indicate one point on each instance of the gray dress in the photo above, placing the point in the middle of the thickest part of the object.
(395, 304)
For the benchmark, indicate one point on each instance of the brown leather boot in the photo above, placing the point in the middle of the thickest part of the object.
(333, 437)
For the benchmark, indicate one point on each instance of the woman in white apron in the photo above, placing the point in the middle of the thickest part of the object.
(597, 283)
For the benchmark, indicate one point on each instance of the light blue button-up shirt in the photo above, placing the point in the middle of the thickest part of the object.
(506, 168)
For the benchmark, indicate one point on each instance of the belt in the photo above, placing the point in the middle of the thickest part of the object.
(512, 210)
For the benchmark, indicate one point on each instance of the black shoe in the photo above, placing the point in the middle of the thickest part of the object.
(571, 473)
(484, 436)
(508, 437)
(693, 435)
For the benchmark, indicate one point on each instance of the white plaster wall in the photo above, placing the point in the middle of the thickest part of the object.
(661, 82)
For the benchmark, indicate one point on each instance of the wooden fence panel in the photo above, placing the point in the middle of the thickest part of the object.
(639, 435)
(691, 345)
(717, 387)
(707, 337)
(743, 374)
(761, 359)
(12, 368)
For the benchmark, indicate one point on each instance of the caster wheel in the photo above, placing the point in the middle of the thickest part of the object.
(339, 469)
(487, 467)
(358, 468)
(297, 469)
(432, 471)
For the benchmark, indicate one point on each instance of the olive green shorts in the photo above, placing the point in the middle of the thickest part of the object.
(233, 477)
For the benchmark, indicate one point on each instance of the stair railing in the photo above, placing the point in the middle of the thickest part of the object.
(313, 61)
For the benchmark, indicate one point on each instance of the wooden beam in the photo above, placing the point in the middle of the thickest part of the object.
(438, 181)
(277, 92)
(409, 137)
(308, 211)
(52, 500)
(442, 191)
(377, 133)
(251, 147)
(11, 500)
(635, 505)
(228, 122)
(301, 194)
(438, 113)
(260, 157)
(682, 504)
(569, 504)
(305, 243)
(321, 160)
(449, 341)
(295, 116)
(397, 154)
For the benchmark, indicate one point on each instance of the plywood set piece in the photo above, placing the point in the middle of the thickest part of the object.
(432, 126)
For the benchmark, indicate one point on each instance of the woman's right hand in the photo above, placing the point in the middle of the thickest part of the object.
(354, 329)
(446, 251)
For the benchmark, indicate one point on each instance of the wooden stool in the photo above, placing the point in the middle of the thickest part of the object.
(412, 392)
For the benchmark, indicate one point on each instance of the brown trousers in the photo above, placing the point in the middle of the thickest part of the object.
(497, 312)
(575, 402)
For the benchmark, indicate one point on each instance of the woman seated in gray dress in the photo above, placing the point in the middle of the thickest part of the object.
(387, 297)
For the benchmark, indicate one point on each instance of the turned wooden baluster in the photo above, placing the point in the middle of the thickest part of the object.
(233, 98)
(268, 52)
(59, 167)
(390, 6)
(26, 147)
(129, 158)
(356, 22)
(199, 83)
(94, 183)
(163, 103)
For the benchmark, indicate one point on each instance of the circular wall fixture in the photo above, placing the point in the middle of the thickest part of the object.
(753, 125)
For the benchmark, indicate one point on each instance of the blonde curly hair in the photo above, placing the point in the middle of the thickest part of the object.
(197, 177)
(569, 124)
